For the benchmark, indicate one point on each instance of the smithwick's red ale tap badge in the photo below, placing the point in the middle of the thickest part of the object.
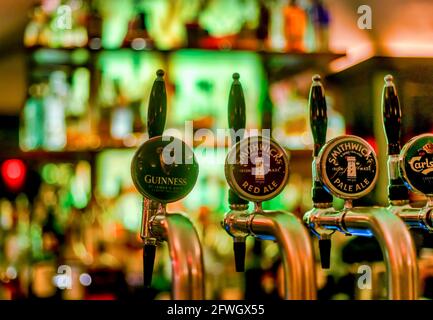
(257, 168)
(347, 166)
(164, 169)
(416, 164)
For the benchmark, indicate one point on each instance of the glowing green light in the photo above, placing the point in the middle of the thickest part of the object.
(203, 80)
(50, 173)
(80, 56)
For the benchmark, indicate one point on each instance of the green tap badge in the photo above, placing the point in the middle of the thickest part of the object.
(347, 166)
(416, 164)
(163, 168)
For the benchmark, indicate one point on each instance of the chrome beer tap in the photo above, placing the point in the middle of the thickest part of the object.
(346, 167)
(410, 167)
(257, 169)
(164, 170)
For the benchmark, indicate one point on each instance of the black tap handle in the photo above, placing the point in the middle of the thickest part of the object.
(236, 121)
(391, 116)
(319, 126)
(148, 263)
(392, 125)
(156, 116)
(157, 111)
(239, 249)
(236, 109)
(325, 253)
(318, 116)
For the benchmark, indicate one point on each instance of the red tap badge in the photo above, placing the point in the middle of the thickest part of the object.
(257, 169)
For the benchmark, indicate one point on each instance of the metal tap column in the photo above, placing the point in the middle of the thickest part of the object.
(285, 228)
(150, 163)
(397, 192)
(334, 170)
(319, 125)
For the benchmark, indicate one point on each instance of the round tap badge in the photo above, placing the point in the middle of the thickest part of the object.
(347, 166)
(164, 169)
(257, 168)
(416, 164)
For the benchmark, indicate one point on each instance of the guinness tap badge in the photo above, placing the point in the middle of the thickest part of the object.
(257, 168)
(164, 169)
(416, 164)
(347, 166)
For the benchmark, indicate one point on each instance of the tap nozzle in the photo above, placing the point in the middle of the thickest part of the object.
(239, 250)
(311, 220)
(238, 212)
(149, 250)
(325, 252)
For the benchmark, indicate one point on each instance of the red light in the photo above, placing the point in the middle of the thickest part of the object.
(13, 172)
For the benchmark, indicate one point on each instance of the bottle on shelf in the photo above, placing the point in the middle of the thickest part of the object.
(319, 17)
(137, 36)
(33, 34)
(262, 31)
(94, 29)
(122, 116)
(295, 22)
(54, 112)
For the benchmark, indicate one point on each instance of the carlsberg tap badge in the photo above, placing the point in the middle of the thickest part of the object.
(416, 164)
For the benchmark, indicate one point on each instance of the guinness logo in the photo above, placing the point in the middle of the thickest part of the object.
(347, 166)
(164, 170)
(416, 164)
(257, 169)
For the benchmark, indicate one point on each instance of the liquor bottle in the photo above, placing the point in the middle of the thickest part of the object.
(105, 106)
(31, 127)
(94, 29)
(78, 122)
(295, 22)
(262, 32)
(137, 35)
(122, 117)
(54, 112)
(137, 126)
(319, 16)
(33, 31)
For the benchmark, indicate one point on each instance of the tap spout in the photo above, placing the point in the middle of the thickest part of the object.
(416, 218)
(185, 253)
(296, 250)
(396, 244)
(394, 239)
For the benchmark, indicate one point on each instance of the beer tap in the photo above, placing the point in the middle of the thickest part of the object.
(410, 167)
(321, 198)
(164, 169)
(346, 167)
(257, 169)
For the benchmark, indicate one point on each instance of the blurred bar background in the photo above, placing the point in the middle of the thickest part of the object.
(75, 77)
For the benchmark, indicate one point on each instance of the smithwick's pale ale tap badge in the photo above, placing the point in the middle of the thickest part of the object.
(347, 166)
(257, 168)
(164, 169)
(416, 164)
